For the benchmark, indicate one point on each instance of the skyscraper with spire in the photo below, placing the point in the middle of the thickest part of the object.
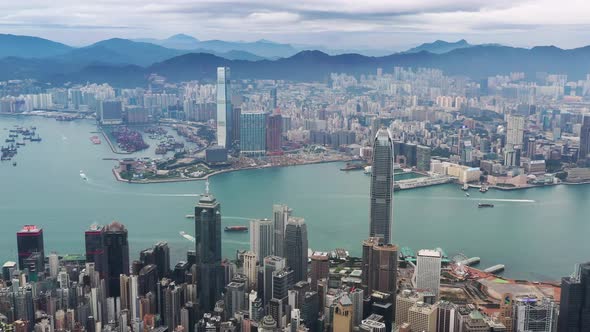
(381, 212)
(224, 108)
(208, 251)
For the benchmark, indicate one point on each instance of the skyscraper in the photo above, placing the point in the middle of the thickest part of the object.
(253, 133)
(271, 264)
(379, 268)
(296, 247)
(280, 215)
(514, 130)
(381, 213)
(261, 237)
(274, 133)
(250, 269)
(428, 270)
(585, 139)
(320, 268)
(208, 248)
(574, 312)
(116, 251)
(273, 99)
(162, 258)
(29, 241)
(224, 108)
(94, 239)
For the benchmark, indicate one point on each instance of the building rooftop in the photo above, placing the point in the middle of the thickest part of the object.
(32, 229)
(429, 253)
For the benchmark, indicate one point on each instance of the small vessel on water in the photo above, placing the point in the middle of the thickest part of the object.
(14, 164)
(189, 216)
(483, 189)
(368, 169)
(83, 176)
(187, 236)
(485, 205)
(36, 139)
(95, 139)
(352, 167)
(236, 229)
(467, 195)
(465, 187)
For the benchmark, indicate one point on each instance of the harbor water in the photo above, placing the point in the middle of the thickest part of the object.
(537, 234)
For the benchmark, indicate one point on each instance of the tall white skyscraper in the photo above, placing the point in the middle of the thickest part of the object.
(261, 238)
(250, 269)
(224, 108)
(514, 130)
(428, 270)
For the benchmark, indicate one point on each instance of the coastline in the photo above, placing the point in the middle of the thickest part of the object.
(118, 176)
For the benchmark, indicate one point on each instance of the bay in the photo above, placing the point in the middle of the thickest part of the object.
(538, 233)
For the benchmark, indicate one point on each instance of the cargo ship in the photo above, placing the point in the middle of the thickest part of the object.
(485, 205)
(95, 140)
(236, 229)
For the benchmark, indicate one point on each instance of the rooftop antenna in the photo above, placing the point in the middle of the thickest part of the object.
(207, 187)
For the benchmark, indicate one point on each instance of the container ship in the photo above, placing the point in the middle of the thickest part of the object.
(236, 229)
(95, 139)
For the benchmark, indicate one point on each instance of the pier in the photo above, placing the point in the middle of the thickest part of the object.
(495, 269)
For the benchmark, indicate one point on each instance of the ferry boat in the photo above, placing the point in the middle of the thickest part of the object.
(483, 189)
(352, 167)
(189, 216)
(485, 205)
(465, 187)
(236, 229)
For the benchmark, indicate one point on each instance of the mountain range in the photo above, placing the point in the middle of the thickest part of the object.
(123, 62)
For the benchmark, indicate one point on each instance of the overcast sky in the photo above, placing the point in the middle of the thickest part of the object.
(359, 24)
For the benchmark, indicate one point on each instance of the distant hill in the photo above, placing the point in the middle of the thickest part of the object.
(179, 42)
(475, 62)
(120, 51)
(30, 47)
(440, 47)
(261, 48)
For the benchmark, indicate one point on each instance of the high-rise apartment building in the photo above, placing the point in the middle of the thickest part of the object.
(261, 237)
(514, 130)
(296, 247)
(224, 108)
(427, 271)
(208, 251)
(381, 213)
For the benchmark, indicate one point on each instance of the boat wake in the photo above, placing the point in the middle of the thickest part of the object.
(507, 200)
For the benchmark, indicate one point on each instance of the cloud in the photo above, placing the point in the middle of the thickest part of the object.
(333, 23)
